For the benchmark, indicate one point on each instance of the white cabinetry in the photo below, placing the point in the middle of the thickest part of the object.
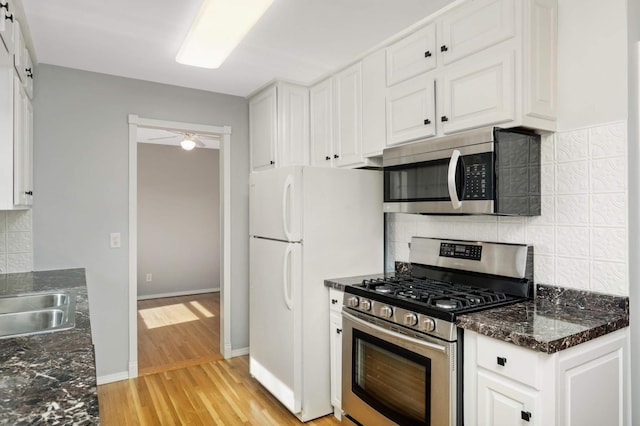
(279, 127)
(335, 344)
(7, 19)
(581, 386)
(482, 63)
(22, 146)
(348, 115)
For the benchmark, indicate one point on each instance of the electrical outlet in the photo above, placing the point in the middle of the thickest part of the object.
(114, 240)
(149, 277)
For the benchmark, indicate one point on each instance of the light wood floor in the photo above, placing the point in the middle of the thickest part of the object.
(183, 379)
(177, 332)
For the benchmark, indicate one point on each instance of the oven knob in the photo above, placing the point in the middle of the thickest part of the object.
(365, 305)
(386, 312)
(410, 319)
(353, 301)
(428, 324)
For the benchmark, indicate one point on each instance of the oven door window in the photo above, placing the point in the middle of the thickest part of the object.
(394, 381)
(427, 181)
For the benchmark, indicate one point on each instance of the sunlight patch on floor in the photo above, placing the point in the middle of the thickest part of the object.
(204, 311)
(167, 315)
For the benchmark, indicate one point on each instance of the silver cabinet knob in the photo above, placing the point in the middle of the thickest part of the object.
(386, 312)
(353, 301)
(410, 319)
(428, 324)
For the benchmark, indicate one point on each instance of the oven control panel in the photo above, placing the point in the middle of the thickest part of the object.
(461, 251)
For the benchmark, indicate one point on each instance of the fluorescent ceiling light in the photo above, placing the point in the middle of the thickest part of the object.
(218, 28)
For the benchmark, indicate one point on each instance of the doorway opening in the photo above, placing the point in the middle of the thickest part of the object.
(179, 308)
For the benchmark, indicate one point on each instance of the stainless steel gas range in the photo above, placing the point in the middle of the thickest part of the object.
(402, 352)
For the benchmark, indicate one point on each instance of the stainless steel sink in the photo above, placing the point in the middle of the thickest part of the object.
(28, 314)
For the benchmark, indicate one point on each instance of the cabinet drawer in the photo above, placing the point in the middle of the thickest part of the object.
(519, 363)
(335, 300)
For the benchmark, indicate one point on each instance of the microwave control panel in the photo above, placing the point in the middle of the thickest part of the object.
(461, 251)
(478, 170)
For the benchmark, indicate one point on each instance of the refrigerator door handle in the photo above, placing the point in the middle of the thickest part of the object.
(286, 204)
(286, 285)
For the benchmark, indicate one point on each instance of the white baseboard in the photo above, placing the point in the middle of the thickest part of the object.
(240, 352)
(110, 378)
(179, 293)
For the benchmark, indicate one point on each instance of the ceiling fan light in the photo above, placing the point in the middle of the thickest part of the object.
(187, 144)
(217, 29)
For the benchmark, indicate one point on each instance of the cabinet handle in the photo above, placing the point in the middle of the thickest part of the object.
(8, 17)
(525, 415)
(502, 361)
(334, 301)
(327, 158)
(338, 330)
(443, 48)
(272, 162)
(427, 54)
(444, 118)
(5, 6)
(28, 192)
(427, 121)
(336, 156)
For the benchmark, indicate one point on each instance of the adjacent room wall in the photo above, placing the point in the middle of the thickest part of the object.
(81, 181)
(178, 220)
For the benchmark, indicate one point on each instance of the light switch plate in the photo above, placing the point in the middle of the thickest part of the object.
(114, 240)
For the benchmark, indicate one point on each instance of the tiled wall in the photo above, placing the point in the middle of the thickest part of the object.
(16, 243)
(580, 240)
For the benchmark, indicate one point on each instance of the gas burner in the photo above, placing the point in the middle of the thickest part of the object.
(384, 289)
(446, 304)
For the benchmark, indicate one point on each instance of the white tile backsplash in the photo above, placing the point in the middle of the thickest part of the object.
(580, 240)
(16, 241)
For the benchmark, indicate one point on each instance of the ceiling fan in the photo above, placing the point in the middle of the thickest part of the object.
(189, 140)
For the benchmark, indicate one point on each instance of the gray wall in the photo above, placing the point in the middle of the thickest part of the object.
(81, 187)
(633, 19)
(178, 220)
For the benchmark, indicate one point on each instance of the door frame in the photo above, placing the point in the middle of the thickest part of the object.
(225, 227)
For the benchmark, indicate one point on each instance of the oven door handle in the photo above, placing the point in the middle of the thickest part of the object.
(451, 179)
(429, 345)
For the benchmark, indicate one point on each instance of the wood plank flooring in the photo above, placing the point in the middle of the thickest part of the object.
(214, 393)
(183, 378)
(177, 332)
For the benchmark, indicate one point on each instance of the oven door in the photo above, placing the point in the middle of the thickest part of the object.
(450, 181)
(392, 378)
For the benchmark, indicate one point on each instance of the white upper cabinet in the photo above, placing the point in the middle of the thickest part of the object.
(263, 129)
(494, 64)
(7, 19)
(321, 121)
(373, 104)
(474, 27)
(279, 127)
(413, 55)
(19, 53)
(23, 147)
(348, 116)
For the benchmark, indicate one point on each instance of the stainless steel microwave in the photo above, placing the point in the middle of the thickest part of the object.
(484, 171)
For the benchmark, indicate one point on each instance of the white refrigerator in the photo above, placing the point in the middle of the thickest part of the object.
(306, 224)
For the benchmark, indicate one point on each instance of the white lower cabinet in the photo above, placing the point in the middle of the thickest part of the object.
(507, 385)
(335, 344)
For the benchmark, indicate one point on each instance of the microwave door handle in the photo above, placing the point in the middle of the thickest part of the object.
(451, 180)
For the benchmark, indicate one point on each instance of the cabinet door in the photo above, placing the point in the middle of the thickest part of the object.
(478, 92)
(7, 29)
(321, 113)
(413, 55)
(23, 147)
(374, 91)
(348, 116)
(474, 26)
(502, 402)
(293, 126)
(411, 110)
(28, 69)
(19, 51)
(263, 129)
(335, 319)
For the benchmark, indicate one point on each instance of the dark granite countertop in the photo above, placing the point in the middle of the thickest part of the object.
(556, 319)
(49, 378)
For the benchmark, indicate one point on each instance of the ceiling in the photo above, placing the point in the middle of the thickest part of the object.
(296, 40)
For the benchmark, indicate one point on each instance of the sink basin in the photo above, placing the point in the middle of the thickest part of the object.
(30, 302)
(30, 314)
